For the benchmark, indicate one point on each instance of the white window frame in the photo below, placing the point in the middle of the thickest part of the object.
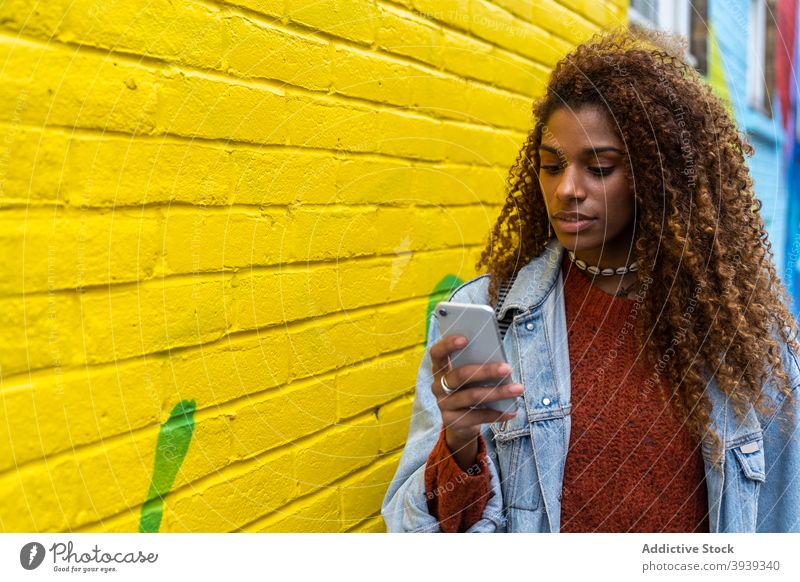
(672, 16)
(639, 18)
(756, 53)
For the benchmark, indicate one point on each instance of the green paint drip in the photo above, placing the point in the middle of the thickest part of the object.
(441, 292)
(173, 442)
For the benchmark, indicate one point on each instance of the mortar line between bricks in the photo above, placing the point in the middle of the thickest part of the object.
(134, 511)
(133, 514)
(535, 24)
(33, 40)
(292, 28)
(400, 8)
(363, 522)
(278, 87)
(170, 138)
(13, 204)
(29, 376)
(469, 33)
(332, 318)
(586, 16)
(317, 34)
(239, 467)
(211, 276)
(320, 34)
(205, 413)
(618, 6)
(269, 518)
(222, 207)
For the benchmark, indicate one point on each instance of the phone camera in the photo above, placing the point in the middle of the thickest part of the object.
(443, 312)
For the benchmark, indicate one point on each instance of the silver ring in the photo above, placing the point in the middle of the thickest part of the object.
(447, 390)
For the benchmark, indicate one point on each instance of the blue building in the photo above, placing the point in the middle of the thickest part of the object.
(734, 43)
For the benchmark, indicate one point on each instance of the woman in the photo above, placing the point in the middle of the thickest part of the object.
(650, 347)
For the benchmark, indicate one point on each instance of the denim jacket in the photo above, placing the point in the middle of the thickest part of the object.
(755, 487)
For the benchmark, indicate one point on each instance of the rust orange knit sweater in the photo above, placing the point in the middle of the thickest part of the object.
(631, 465)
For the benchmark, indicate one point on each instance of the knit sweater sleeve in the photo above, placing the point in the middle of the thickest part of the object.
(456, 497)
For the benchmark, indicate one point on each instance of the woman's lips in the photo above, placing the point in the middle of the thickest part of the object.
(573, 226)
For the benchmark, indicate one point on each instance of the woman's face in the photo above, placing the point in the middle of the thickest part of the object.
(589, 200)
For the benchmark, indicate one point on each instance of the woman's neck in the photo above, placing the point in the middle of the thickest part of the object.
(618, 285)
(624, 285)
(606, 258)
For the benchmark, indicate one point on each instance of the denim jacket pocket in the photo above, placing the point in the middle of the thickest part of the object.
(743, 477)
(751, 459)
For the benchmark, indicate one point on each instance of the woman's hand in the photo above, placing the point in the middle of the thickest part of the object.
(463, 410)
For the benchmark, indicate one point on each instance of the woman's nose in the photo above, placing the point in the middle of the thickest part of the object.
(569, 186)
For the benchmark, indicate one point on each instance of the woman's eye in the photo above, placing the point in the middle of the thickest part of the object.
(597, 170)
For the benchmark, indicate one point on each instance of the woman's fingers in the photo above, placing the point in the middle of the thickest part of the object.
(468, 419)
(441, 350)
(477, 374)
(463, 409)
(472, 374)
(479, 396)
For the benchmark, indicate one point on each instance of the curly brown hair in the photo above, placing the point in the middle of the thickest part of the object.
(700, 237)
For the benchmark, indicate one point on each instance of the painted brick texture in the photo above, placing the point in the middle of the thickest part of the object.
(244, 207)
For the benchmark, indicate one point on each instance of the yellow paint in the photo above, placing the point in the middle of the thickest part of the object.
(716, 72)
(247, 207)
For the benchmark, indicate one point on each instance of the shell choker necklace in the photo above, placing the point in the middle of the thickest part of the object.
(632, 268)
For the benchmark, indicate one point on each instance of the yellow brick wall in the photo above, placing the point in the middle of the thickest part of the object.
(222, 225)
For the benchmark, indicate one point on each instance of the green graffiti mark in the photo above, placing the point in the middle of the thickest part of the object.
(441, 292)
(173, 442)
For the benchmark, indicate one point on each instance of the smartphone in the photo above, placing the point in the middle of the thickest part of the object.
(478, 324)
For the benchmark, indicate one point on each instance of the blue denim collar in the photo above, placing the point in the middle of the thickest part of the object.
(535, 280)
